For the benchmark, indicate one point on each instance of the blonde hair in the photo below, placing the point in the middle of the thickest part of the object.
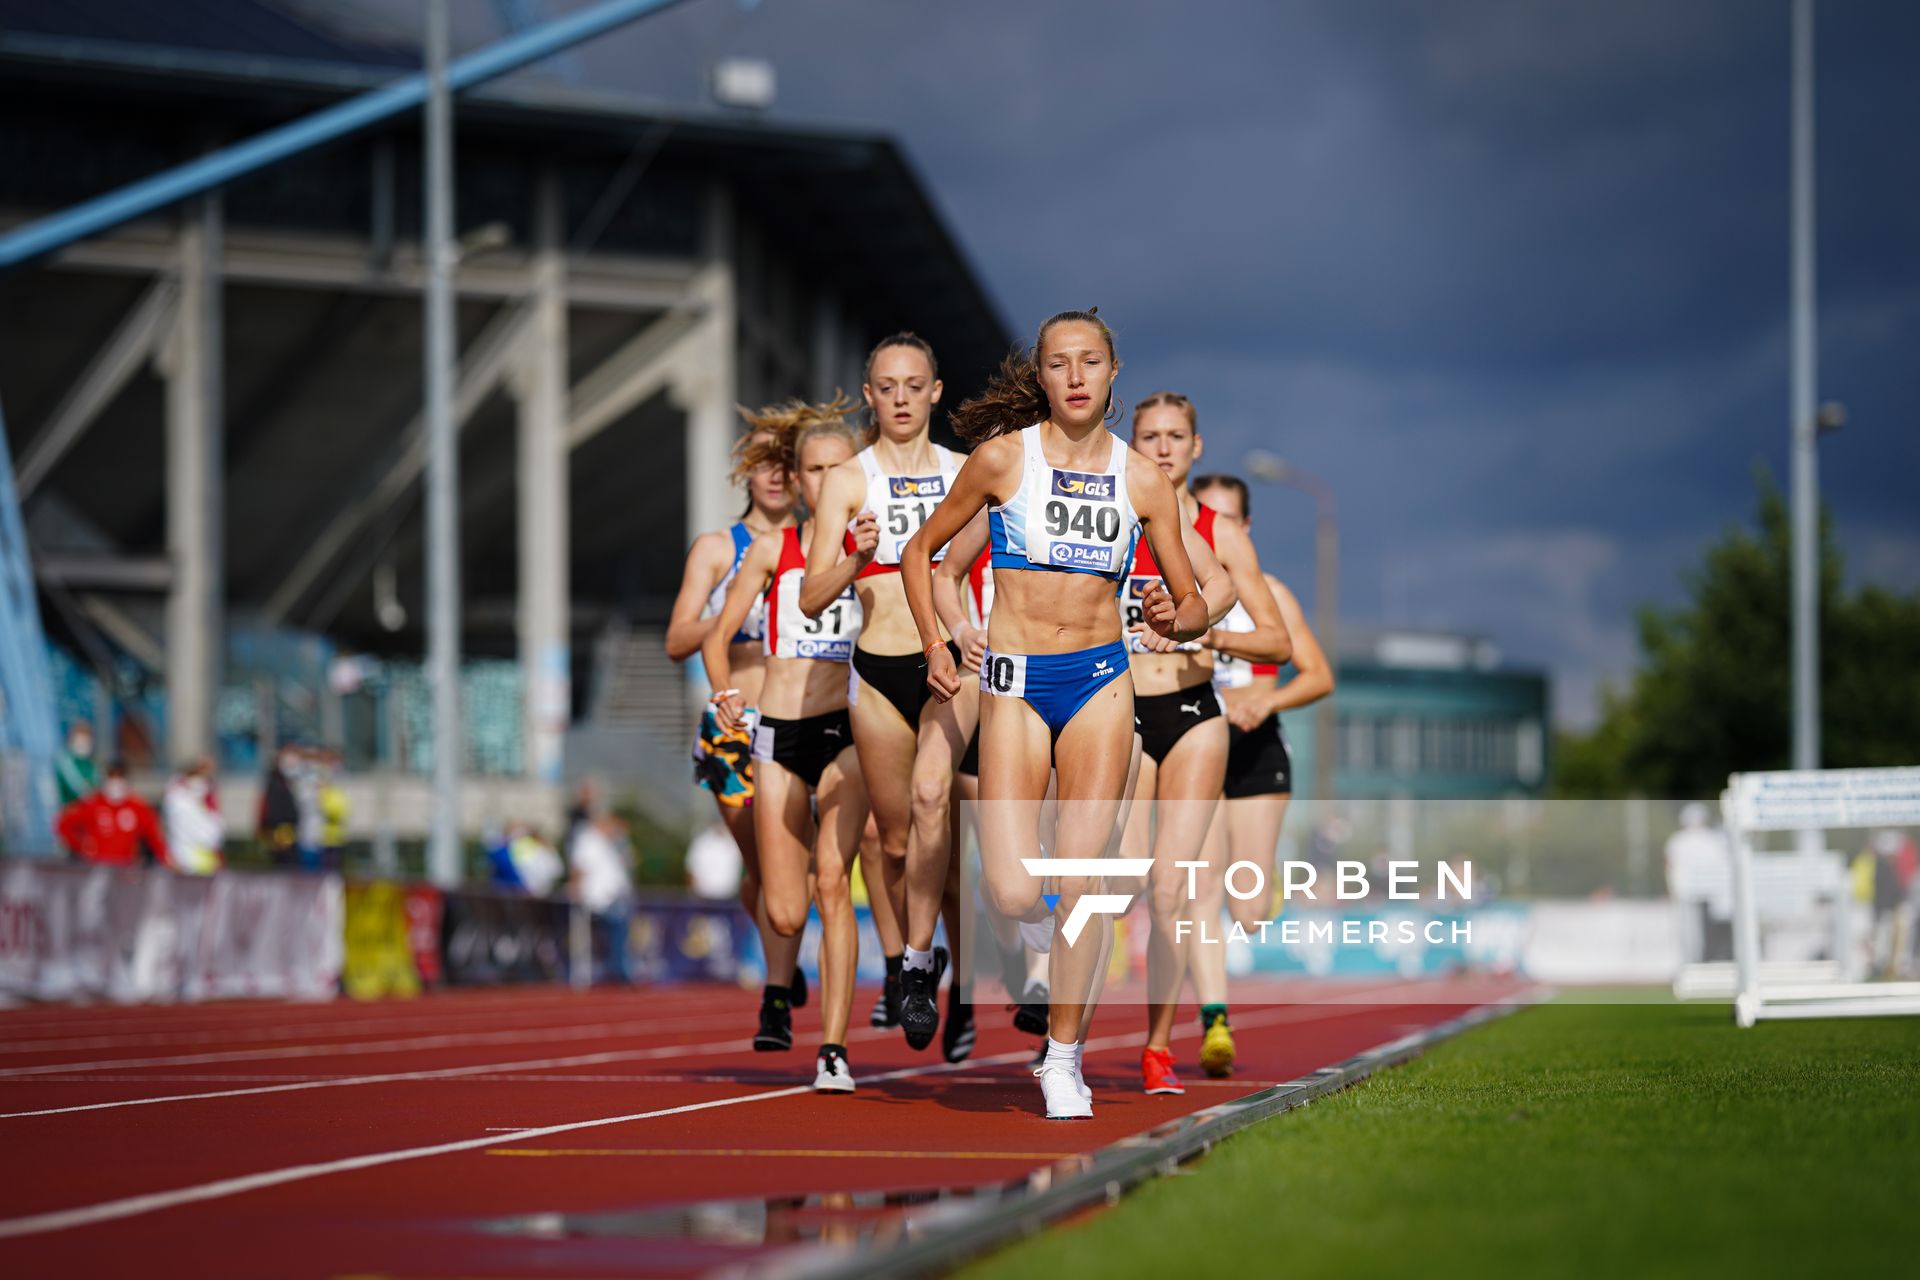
(777, 433)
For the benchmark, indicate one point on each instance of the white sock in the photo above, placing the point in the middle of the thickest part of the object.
(1079, 1054)
(912, 959)
(1062, 1055)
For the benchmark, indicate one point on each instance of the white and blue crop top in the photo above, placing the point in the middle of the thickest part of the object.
(754, 629)
(1070, 521)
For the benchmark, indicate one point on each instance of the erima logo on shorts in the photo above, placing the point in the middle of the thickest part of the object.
(917, 486)
(1081, 484)
(1089, 904)
(1102, 668)
(1080, 555)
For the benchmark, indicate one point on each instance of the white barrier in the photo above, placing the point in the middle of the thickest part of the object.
(133, 934)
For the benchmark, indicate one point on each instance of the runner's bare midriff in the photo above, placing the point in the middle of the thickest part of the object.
(799, 687)
(888, 628)
(1167, 672)
(1045, 611)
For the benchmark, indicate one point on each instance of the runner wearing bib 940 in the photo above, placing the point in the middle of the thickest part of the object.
(722, 764)
(802, 742)
(1068, 501)
(1184, 737)
(869, 507)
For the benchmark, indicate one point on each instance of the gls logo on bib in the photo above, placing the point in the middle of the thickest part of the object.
(917, 486)
(1083, 485)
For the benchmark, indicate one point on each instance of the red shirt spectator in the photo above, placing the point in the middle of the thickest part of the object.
(108, 826)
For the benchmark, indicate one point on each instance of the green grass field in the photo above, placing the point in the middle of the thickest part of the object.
(1570, 1139)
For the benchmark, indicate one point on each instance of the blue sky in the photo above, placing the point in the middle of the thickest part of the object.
(1511, 274)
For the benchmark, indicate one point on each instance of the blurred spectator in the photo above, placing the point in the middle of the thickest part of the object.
(279, 811)
(76, 771)
(196, 836)
(108, 826)
(603, 884)
(331, 799)
(1876, 877)
(1699, 881)
(586, 803)
(311, 827)
(714, 865)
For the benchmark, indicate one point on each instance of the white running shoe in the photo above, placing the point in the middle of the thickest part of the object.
(1061, 1087)
(1080, 1083)
(1037, 935)
(831, 1073)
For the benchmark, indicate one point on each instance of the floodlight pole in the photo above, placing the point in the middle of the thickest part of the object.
(443, 466)
(1805, 426)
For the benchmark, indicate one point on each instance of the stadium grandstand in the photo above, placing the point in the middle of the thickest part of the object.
(215, 413)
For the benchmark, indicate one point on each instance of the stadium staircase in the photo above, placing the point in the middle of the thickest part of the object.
(639, 723)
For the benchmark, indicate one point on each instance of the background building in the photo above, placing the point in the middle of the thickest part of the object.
(216, 415)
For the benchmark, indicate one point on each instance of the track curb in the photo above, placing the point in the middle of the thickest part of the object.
(952, 1232)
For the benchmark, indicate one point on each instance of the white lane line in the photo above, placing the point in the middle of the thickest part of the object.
(283, 1032)
(1290, 1013)
(638, 1026)
(133, 1206)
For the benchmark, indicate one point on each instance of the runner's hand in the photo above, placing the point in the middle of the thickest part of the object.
(731, 713)
(973, 648)
(1246, 708)
(943, 680)
(1152, 641)
(1158, 609)
(866, 536)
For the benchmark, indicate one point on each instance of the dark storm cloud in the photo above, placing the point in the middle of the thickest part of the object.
(1512, 274)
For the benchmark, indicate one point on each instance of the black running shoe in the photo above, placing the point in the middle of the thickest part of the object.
(956, 1037)
(797, 993)
(886, 1008)
(919, 1001)
(776, 1027)
(1030, 1015)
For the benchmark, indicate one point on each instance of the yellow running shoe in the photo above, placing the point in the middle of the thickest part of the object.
(1216, 1050)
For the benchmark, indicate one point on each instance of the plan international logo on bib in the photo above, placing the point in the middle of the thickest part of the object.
(1080, 484)
(1080, 555)
(918, 486)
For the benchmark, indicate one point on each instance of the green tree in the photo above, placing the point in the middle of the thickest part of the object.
(1713, 692)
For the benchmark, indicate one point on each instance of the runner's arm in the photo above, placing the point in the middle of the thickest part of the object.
(706, 565)
(829, 568)
(982, 475)
(756, 567)
(949, 588)
(1313, 674)
(1176, 610)
(1269, 640)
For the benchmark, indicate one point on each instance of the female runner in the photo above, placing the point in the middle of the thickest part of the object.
(1067, 502)
(720, 760)
(869, 507)
(802, 741)
(1259, 779)
(1182, 733)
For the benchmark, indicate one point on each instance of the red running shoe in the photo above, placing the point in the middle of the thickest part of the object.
(1156, 1072)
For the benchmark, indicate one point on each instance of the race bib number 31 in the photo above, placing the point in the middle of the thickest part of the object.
(1080, 524)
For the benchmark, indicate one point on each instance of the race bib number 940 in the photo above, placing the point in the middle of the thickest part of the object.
(1080, 524)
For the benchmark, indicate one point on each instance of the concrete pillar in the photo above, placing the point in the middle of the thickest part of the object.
(540, 388)
(708, 389)
(191, 362)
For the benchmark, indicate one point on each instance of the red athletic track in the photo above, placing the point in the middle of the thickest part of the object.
(473, 1063)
